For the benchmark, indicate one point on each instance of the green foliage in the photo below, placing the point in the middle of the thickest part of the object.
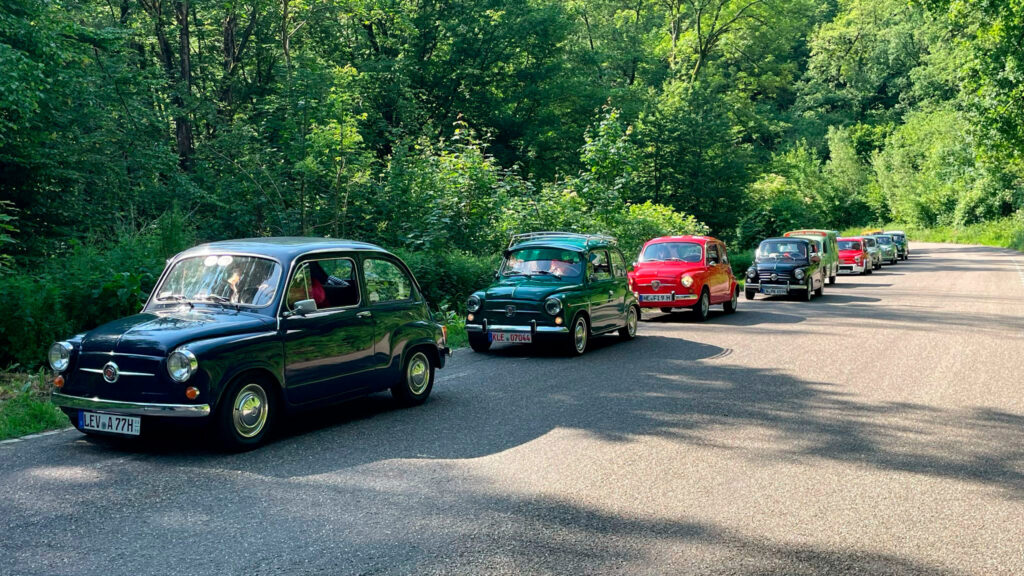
(448, 278)
(25, 406)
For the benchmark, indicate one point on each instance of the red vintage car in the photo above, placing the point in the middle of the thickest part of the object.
(854, 256)
(684, 272)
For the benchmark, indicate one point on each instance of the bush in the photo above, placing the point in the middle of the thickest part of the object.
(448, 278)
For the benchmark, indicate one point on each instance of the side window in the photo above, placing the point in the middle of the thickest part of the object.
(618, 264)
(722, 254)
(712, 253)
(599, 265)
(386, 282)
(331, 283)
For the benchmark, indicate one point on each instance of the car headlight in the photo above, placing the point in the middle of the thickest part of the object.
(181, 365)
(553, 306)
(473, 304)
(686, 280)
(751, 272)
(60, 356)
(856, 259)
(799, 273)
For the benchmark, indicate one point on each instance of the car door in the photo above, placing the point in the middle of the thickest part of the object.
(716, 277)
(603, 314)
(393, 301)
(327, 351)
(620, 275)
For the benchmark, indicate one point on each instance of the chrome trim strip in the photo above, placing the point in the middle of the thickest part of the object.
(100, 371)
(133, 408)
(504, 328)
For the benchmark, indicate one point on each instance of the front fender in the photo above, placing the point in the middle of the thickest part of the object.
(222, 359)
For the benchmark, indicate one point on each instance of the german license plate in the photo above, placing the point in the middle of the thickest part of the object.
(513, 337)
(655, 297)
(774, 290)
(112, 423)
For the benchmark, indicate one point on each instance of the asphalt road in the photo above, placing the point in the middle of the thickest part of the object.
(876, 430)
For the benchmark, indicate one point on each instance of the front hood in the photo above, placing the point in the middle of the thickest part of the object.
(520, 288)
(849, 254)
(154, 334)
(651, 270)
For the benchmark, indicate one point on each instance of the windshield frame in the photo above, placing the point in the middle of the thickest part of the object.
(703, 252)
(805, 256)
(503, 275)
(153, 301)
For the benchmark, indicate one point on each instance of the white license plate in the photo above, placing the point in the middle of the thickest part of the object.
(774, 290)
(112, 423)
(655, 297)
(514, 337)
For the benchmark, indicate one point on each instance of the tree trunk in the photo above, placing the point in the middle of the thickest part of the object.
(183, 124)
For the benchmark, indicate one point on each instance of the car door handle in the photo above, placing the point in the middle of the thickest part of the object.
(365, 314)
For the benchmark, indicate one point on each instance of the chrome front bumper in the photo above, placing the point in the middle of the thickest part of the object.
(131, 408)
(787, 286)
(520, 329)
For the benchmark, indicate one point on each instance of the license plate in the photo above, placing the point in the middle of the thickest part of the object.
(655, 297)
(513, 337)
(774, 290)
(112, 423)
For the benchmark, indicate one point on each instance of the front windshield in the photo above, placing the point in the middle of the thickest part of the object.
(899, 238)
(672, 251)
(782, 249)
(543, 262)
(849, 245)
(884, 240)
(222, 279)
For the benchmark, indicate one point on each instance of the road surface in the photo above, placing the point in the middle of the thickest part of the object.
(876, 430)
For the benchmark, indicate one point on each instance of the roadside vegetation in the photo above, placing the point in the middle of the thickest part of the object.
(437, 129)
(25, 405)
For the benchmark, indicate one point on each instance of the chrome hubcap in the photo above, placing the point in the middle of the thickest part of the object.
(250, 410)
(631, 322)
(580, 334)
(704, 304)
(418, 375)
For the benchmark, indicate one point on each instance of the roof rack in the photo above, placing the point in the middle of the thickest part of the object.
(588, 238)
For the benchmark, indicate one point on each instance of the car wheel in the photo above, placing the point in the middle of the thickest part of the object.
(579, 336)
(666, 310)
(700, 311)
(628, 332)
(869, 269)
(821, 289)
(730, 306)
(749, 294)
(246, 414)
(832, 279)
(479, 342)
(417, 379)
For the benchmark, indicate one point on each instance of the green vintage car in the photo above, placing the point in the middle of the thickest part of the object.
(554, 286)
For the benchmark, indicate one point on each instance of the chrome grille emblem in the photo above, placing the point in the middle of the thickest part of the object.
(655, 284)
(510, 311)
(111, 372)
(775, 276)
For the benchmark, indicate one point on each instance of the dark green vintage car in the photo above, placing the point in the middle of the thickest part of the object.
(557, 286)
(239, 332)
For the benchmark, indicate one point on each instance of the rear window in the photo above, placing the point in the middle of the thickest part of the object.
(849, 245)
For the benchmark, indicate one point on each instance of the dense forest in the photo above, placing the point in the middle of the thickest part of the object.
(130, 129)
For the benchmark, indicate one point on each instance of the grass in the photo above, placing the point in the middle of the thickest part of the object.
(1004, 233)
(25, 405)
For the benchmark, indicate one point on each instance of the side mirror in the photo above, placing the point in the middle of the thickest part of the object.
(712, 262)
(815, 258)
(303, 307)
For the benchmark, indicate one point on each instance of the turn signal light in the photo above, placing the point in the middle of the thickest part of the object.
(58, 382)
(191, 392)
(558, 321)
(470, 317)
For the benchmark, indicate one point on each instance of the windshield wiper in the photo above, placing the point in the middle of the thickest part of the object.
(223, 301)
(507, 274)
(547, 273)
(179, 298)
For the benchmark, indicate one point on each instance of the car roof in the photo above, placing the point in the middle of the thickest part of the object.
(895, 232)
(562, 240)
(789, 238)
(810, 231)
(861, 238)
(284, 248)
(700, 239)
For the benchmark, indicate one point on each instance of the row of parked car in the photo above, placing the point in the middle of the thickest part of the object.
(238, 333)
